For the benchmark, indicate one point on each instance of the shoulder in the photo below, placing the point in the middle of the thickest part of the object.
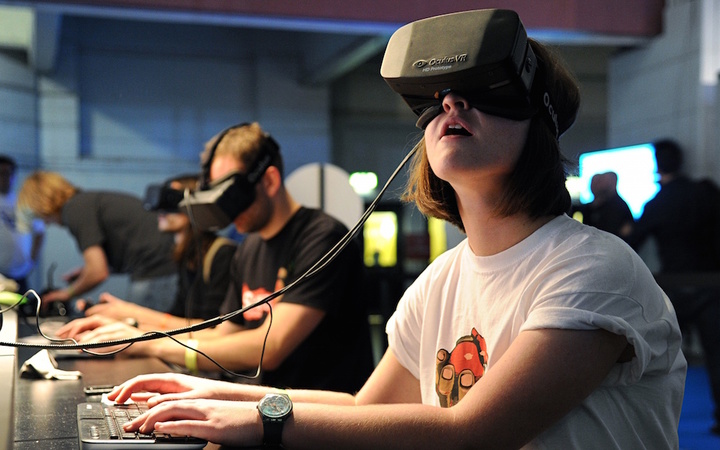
(582, 257)
(309, 223)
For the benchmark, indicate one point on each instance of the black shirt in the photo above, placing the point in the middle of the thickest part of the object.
(682, 218)
(199, 296)
(127, 233)
(337, 354)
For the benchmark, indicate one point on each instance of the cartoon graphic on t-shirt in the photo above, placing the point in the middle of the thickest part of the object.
(250, 296)
(459, 369)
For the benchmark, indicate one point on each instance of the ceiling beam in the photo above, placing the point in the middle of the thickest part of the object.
(637, 18)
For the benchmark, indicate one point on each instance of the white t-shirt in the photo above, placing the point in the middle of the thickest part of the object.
(467, 310)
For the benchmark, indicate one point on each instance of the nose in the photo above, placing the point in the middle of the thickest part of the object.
(454, 101)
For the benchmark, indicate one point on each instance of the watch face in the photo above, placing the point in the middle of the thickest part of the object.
(275, 405)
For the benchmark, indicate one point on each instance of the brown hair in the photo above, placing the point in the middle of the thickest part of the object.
(45, 193)
(244, 143)
(537, 184)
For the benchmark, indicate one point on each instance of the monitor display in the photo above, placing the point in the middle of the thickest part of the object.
(380, 234)
(635, 167)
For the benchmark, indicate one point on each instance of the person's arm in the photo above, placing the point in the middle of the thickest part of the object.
(542, 377)
(94, 272)
(240, 350)
(404, 388)
(147, 318)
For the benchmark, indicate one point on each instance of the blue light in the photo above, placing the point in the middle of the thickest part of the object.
(635, 167)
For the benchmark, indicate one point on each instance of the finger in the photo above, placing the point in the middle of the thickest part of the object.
(107, 297)
(76, 327)
(167, 412)
(95, 309)
(174, 396)
(164, 383)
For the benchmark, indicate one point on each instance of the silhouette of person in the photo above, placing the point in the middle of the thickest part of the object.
(682, 218)
(608, 211)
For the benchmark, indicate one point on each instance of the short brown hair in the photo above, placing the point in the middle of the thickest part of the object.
(245, 143)
(537, 183)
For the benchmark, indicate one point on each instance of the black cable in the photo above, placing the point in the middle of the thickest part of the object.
(326, 259)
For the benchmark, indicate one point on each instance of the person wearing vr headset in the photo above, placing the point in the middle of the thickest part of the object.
(320, 332)
(202, 280)
(113, 232)
(536, 331)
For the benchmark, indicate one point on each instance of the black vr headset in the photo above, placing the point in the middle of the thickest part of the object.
(215, 205)
(162, 197)
(483, 55)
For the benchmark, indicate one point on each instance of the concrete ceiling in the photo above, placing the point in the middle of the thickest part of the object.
(335, 36)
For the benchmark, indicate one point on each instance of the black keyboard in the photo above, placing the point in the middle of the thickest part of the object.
(100, 427)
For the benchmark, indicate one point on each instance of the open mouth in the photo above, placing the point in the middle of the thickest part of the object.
(456, 130)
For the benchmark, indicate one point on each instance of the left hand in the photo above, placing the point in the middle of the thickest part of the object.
(114, 331)
(223, 422)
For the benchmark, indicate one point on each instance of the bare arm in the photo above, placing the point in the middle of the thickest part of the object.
(389, 383)
(147, 318)
(544, 375)
(94, 272)
(236, 348)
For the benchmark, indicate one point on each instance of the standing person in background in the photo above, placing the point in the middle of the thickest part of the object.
(608, 211)
(202, 281)
(19, 245)
(536, 331)
(113, 232)
(683, 219)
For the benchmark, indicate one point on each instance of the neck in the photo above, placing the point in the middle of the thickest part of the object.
(284, 207)
(489, 234)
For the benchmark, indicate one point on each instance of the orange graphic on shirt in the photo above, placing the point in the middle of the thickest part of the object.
(458, 370)
(250, 297)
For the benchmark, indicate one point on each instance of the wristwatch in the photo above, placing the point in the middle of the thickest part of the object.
(274, 411)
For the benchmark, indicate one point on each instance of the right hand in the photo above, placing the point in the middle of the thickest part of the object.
(115, 307)
(161, 387)
(74, 329)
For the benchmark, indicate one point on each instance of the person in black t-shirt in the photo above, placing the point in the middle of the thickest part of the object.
(608, 211)
(114, 233)
(320, 335)
(202, 282)
(683, 219)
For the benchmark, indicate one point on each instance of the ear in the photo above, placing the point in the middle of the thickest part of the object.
(271, 181)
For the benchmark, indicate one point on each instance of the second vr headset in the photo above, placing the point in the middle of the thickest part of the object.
(216, 204)
(483, 55)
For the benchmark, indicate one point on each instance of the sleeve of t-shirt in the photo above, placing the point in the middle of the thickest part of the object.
(404, 326)
(644, 318)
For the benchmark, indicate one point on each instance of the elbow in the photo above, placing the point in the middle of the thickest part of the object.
(273, 357)
(272, 361)
(98, 275)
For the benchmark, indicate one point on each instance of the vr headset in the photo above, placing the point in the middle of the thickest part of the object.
(161, 197)
(482, 55)
(215, 205)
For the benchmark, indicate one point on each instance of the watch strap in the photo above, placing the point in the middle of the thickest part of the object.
(272, 432)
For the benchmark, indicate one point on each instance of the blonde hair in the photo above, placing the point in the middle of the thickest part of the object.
(45, 193)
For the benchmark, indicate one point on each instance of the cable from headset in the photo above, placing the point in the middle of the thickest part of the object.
(329, 256)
